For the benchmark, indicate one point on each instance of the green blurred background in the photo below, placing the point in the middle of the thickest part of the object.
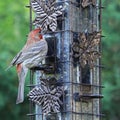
(14, 26)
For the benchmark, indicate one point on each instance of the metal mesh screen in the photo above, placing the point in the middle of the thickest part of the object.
(81, 86)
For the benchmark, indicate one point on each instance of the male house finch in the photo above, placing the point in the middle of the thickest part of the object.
(30, 56)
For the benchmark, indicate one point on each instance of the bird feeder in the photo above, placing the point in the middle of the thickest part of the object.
(68, 82)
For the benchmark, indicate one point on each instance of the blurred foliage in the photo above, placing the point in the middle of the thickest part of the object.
(111, 59)
(14, 26)
(14, 22)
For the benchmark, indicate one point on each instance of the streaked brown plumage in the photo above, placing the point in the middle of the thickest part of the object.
(31, 55)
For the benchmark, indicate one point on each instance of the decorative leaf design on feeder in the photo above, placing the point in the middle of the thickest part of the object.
(86, 48)
(47, 95)
(86, 3)
(46, 14)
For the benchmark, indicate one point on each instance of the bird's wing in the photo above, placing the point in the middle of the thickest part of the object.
(16, 58)
(33, 50)
(13, 62)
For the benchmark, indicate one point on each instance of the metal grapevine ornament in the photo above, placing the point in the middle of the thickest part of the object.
(86, 48)
(86, 3)
(46, 14)
(47, 95)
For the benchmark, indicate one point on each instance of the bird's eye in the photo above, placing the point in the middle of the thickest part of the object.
(40, 31)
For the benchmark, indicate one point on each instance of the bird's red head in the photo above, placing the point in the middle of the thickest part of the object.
(37, 31)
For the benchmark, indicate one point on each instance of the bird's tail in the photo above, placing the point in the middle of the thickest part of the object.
(21, 75)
